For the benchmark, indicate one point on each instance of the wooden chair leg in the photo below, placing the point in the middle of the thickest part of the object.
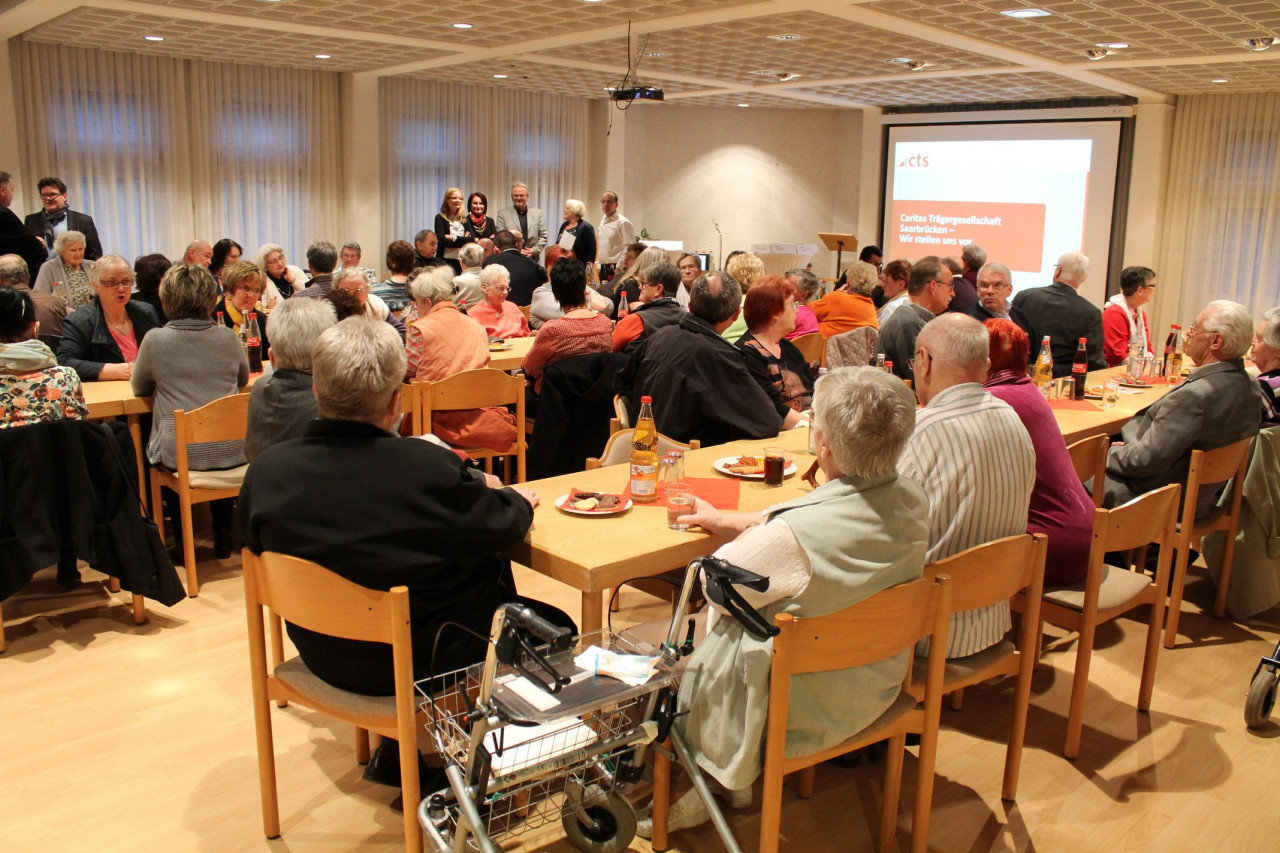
(188, 544)
(409, 788)
(362, 746)
(1147, 685)
(1175, 598)
(1079, 689)
(1017, 730)
(804, 783)
(957, 699)
(1224, 577)
(139, 609)
(157, 506)
(661, 800)
(113, 584)
(3, 645)
(892, 792)
(771, 813)
(924, 790)
(277, 657)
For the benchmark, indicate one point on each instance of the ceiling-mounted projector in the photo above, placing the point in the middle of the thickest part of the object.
(637, 93)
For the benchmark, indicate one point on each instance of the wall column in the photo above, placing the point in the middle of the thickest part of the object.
(362, 167)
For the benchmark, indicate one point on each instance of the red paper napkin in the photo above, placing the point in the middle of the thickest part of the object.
(720, 492)
(1082, 405)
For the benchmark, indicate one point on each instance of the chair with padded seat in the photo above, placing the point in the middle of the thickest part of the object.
(980, 577)
(618, 450)
(1110, 591)
(225, 419)
(483, 388)
(307, 594)
(1089, 459)
(854, 348)
(886, 624)
(1208, 467)
(813, 347)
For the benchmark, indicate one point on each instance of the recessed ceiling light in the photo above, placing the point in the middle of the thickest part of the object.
(1026, 13)
(462, 25)
(1260, 43)
(901, 60)
(591, 1)
(1113, 45)
(744, 105)
(323, 56)
(1220, 80)
(153, 38)
(499, 77)
(787, 37)
(654, 53)
(608, 88)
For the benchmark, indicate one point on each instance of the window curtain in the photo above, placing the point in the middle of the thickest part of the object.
(163, 151)
(477, 138)
(1222, 228)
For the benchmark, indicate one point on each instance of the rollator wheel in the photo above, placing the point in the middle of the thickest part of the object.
(1262, 698)
(615, 824)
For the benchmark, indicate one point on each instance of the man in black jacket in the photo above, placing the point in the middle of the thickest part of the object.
(56, 217)
(1060, 312)
(526, 275)
(15, 239)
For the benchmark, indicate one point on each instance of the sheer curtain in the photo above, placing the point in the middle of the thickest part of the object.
(162, 151)
(441, 135)
(1222, 228)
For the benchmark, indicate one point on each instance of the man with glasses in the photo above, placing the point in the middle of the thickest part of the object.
(1219, 404)
(995, 285)
(1059, 311)
(929, 292)
(57, 218)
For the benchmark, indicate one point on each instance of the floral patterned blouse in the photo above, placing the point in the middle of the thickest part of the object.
(34, 388)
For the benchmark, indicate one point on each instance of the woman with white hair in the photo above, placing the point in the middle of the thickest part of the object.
(443, 342)
(849, 307)
(100, 340)
(862, 531)
(500, 318)
(1266, 355)
(283, 278)
(66, 274)
(583, 244)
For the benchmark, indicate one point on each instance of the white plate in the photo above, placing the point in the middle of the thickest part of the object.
(500, 347)
(722, 465)
(562, 504)
(1144, 385)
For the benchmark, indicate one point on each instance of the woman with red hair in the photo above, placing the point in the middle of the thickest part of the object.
(1060, 507)
(775, 363)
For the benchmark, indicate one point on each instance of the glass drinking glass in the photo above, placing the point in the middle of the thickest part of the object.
(679, 502)
(775, 462)
(1110, 393)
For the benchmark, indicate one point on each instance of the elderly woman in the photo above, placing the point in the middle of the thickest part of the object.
(583, 244)
(500, 318)
(34, 388)
(862, 531)
(100, 340)
(579, 331)
(850, 307)
(627, 285)
(478, 224)
(225, 253)
(352, 279)
(466, 287)
(775, 363)
(1061, 508)
(442, 342)
(1124, 320)
(67, 273)
(394, 289)
(745, 268)
(451, 230)
(894, 284)
(242, 284)
(283, 278)
(1266, 355)
(148, 270)
(282, 404)
(190, 362)
(807, 288)
(690, 268)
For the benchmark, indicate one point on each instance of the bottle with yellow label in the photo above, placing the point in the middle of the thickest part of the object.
(1042, 374)
(644, 455)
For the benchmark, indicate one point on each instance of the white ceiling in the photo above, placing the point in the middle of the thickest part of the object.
(711, 52)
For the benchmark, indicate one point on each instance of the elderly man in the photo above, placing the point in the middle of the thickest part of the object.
(500, 317)
(1216, 406)
(424, 249)
(529, 221)
(656, 309)
(929, 291)
(525, 275)
(1060, 312)
(198, 252)
(322, 257)
(283, 403)
(995, 284)
(14, 236)
(425, 519)
(974, 459)
(50, 309)
(349, 258)
(353, 280)
(699, 384)
(466, 286)
(613, 236)
(859, 533)
(56, 218)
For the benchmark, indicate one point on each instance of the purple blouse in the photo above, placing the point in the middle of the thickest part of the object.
(1060, 506)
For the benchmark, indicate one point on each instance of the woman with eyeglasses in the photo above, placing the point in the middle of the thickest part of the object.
(1124, 320)
(243, 284)
(100, 340)
(500, 318)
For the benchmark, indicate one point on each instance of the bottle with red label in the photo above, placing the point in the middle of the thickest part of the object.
(253, 343)
(1079, 368)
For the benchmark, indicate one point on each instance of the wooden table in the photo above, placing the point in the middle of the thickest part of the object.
(511, 359)
(1077, 424)
(596, 554)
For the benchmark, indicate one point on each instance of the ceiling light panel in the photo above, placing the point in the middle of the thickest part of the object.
(1153, 29)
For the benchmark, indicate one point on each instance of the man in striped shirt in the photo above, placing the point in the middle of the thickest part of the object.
(973, 457)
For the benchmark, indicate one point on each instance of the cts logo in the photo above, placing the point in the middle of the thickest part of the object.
(918, 161)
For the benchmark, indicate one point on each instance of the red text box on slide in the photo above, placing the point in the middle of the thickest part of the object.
(1011, 233)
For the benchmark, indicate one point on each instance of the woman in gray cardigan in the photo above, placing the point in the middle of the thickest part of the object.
(190, 362)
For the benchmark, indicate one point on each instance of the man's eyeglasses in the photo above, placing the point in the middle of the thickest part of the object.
(948, 283)
(49, 196)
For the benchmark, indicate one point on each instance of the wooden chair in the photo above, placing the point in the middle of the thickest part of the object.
(981, 577)
(411, 408)
(1108, 591)
(225, 419)
(618, 449)
(813, 347)
(1208, 466)
(524, 309)
(1089, 458)
(311, 596)
(621, 418)
(886, 624)
(479, 389)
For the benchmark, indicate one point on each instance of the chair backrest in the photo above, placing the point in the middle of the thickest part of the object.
(620, 410)
(1089, 458)
(995, 571)
(471, 389)
(309, 595)
(225, 419)
(524, 309)
(812, 346)
(1147, 519)
(618, 450)
(409, 407)
(853, 348)
(1216, 466)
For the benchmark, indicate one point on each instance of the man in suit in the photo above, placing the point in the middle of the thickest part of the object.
(1219, 404)
(929, 292)
(14, 236)
(995, 284)
(1060, 312)
(526, 275)
(56, 218)
(529, 221)
(966, 293)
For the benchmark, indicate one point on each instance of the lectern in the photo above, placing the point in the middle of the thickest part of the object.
(838, 243)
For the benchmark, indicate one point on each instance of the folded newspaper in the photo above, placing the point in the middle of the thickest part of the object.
(629, 669)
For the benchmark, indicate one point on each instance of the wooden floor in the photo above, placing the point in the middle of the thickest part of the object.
(124, 737)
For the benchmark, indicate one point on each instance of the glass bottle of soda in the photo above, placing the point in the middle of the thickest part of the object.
(1172, 367)
(1042, 374)
(644, 455)
(253, 341)
(1079, 368)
